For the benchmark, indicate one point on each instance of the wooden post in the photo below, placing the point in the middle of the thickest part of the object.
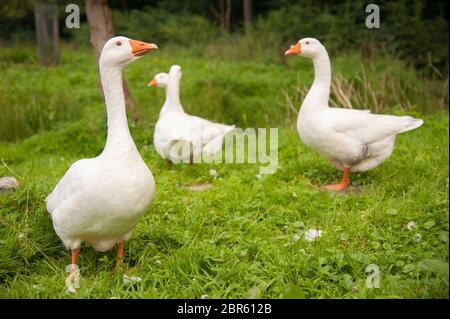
(47, 33)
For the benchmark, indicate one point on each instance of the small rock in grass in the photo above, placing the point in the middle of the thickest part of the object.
(21, 236)
(205, 296)
(8, 183)
(411, 225)
(312, 234)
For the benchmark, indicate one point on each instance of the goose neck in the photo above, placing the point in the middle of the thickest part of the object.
(118, 139)
(173, 96)
(319, 94)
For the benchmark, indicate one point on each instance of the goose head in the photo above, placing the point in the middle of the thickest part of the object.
(175, 71)
(307, 47)
(121, 51)
(160, 80)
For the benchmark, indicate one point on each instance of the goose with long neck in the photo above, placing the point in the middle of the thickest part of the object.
(180, 137)
(100, 200)
(352, 140)
(171, 81)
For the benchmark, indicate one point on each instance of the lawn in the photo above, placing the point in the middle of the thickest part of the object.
(244, 236)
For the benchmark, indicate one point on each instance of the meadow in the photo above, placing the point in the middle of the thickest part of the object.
(242, 235)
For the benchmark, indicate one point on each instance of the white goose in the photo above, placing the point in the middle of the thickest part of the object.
(180, 137)
(100, 200)
(352, 140)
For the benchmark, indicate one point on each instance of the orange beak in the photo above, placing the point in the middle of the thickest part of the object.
(139, 48)
(294, 49)
(153, 83)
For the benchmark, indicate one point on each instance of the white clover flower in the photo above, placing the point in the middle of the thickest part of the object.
(312, 234)
(411, 225)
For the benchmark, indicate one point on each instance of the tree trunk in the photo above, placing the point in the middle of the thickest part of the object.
(223, 15)
(99, 17)
(47, 34)
(248, 15)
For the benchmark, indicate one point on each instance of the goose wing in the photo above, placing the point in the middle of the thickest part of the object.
(69, 185)
(367, 127)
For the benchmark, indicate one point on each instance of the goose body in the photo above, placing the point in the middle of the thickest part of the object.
(100, 200)
(180, 137)
(352, 140)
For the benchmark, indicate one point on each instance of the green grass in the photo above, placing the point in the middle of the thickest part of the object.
(237, 239)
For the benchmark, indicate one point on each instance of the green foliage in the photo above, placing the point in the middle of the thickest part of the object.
(163, 26)
(244, 236)
(414, 31)
(404, 29)
(235, 81)
(37, 98)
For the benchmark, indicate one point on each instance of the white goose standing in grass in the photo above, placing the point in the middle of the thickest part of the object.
(100, 200)
(180, 137)
(352, 140)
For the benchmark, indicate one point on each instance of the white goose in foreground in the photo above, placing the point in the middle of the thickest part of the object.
(100, 200)
(180, 137)
(352, 140)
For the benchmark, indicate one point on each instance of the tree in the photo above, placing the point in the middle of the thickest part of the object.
(248, 14)
(99, 16)
(223, 14)
(47, 33)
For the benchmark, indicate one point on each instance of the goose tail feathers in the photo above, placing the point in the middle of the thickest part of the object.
(410, 123)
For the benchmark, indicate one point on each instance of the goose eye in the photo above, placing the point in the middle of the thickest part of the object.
(119, 43)
(307, 42)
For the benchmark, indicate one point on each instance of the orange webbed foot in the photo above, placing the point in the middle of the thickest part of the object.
(343, 184)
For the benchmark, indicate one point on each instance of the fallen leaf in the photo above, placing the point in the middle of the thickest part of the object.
(131, 279)
(200, 187)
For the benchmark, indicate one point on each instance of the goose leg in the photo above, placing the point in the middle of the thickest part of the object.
(75, 253)
(119, 261)
(71, 278)
(344, 182)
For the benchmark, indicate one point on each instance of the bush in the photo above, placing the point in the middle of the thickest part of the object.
(157, 25)
(405, 30)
